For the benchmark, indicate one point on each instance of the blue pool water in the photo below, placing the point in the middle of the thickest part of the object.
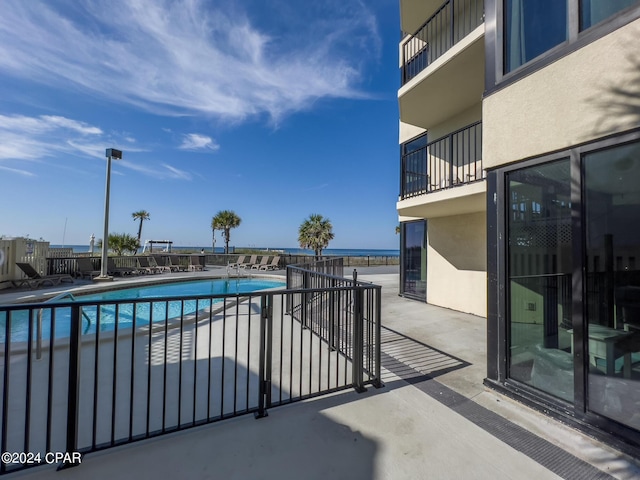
(145, 312)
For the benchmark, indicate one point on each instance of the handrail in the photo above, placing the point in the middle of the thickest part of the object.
(39, 322)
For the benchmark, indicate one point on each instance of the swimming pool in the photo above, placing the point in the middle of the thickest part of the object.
(107, 315)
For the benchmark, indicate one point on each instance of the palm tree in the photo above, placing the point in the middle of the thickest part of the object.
(315, 233)
(121, 243)
(141, 215)
(225, 220)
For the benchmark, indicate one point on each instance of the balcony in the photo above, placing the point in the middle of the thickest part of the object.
(442, 64)
(441, 167)
(454, 20)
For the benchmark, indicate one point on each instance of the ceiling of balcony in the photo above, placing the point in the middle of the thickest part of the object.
(413, 13)
(453, 201)
(451, 84)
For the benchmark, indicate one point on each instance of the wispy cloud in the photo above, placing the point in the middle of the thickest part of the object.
(195, 141)
(165, 171)
(35, 138)
(18, 171)
(191, 56)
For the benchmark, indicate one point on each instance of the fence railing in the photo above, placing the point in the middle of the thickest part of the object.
(450, 161)
(453, 21)
(69, 265)
(113, 372)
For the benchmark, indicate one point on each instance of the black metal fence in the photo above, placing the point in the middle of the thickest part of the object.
(450, 161)
(87, 375)
(453, 21)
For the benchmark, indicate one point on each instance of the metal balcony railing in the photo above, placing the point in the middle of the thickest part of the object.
(85, 375)
(453, 21)
(450, 161)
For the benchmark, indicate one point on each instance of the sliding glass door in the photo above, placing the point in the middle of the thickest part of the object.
(612, 230)
(414, 259)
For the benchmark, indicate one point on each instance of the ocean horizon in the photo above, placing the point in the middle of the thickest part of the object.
(346, 252)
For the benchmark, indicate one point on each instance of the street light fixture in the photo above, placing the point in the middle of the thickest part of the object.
(117, 155)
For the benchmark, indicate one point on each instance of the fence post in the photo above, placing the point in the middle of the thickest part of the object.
(378, 341)
(358, 340)
(264, 367)
(73, 386)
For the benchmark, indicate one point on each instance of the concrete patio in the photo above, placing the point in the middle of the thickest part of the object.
(432, 419)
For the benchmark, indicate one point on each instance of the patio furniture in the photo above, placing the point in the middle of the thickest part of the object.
(112, 269)
(145, 266)
(263, 262)
(251, 261)
(194, 263)
(175, 265)
(84, 268)
(273, 265)
(153, 261)
(34, 279)
(239, 262)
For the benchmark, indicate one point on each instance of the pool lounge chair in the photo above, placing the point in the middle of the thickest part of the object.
(122, 271)
(84, 268)
(34, 279)
(251, 261)
(194, 263)
(238, 262)
(175, 265)
(145, 266)
(271, 266)
(153, 261)
(263, 262)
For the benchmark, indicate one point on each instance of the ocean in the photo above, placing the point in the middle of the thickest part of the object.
(345, 252)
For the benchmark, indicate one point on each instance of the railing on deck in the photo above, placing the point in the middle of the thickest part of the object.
(453, 21)
(113, 372)
(450, 161)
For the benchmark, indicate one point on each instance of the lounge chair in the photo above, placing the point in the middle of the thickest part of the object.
(175, 265)
(145, 266)
(238, 262)
(153, 261)
(34, 279)
(84, 268)
(113, 270)
(271, 266)
(251, 261)
(194, 263)
(263, 262)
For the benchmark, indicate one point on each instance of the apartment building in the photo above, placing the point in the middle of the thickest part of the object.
(520, 193)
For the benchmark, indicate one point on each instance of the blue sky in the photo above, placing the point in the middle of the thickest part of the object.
(275, 110)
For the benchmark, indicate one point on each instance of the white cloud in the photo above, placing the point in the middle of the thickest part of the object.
(195, 141)
(18, 171)
(184, 57)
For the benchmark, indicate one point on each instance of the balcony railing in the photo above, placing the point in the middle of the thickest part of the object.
(86, 375)
(448, 162)
(453, 21)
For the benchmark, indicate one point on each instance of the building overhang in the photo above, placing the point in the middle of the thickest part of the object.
(469, 198)
(451, 84)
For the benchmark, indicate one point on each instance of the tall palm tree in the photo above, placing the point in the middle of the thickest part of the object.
(141, 215)
(225, 220)
(315, 233)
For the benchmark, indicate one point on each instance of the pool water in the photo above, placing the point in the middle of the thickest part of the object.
(106, 319)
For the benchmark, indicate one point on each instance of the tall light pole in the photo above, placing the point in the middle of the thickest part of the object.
(117, 154)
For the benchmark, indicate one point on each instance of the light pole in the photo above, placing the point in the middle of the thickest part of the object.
(117, 154)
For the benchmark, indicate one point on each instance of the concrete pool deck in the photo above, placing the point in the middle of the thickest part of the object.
(433, 419)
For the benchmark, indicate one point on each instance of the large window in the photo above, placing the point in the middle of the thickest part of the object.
(595, 11)
(414, 259)
(531, 28)
(539, 233)
(612, 224)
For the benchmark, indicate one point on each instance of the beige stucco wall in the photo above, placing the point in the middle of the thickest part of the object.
(586, 95)
(467, 117)
(457, 263)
